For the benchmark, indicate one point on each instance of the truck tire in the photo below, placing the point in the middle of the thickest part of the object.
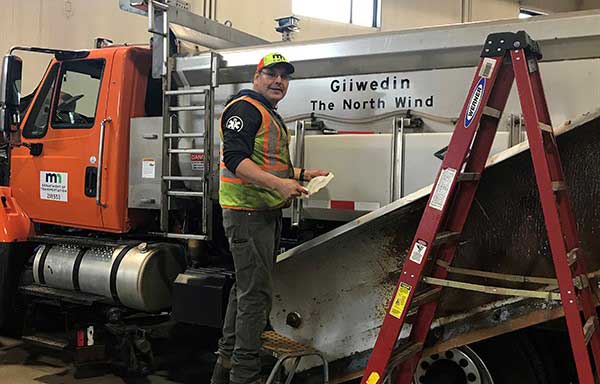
(506, 359)
(457, 366)
(513, 358)
(12, 263)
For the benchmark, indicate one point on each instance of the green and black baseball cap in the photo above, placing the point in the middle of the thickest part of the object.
(275, 59)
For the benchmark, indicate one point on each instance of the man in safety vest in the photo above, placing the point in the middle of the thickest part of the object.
(257, 180)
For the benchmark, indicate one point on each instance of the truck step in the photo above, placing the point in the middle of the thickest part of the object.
(46, 341)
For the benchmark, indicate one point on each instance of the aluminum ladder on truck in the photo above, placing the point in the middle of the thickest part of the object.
(171, 135)
(505, 56)
(163, 66)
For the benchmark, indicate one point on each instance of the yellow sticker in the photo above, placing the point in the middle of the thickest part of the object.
(400, 300)
(373, 378)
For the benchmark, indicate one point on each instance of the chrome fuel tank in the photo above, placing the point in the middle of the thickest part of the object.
(138, 277)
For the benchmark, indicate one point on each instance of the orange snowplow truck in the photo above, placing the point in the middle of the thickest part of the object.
(71, 245)
(70, 165)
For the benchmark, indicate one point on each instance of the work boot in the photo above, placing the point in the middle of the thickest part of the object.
(221, 371)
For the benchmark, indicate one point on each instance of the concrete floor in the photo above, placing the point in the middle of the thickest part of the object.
(17, 366)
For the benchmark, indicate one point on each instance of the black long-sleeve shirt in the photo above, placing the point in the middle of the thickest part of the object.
(239, 124)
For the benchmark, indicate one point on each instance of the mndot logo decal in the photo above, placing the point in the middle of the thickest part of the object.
(474, 102)
(54, 186)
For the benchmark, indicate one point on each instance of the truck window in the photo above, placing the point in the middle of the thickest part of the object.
(77, 96)
(37, 122)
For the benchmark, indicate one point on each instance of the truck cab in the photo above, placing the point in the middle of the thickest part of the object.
(72, 167)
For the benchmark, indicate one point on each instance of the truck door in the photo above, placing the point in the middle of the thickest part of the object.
(54, 179)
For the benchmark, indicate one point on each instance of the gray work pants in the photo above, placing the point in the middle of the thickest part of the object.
(254, 241)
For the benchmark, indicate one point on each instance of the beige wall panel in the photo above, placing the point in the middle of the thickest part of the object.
(589, 4)
(494, 9)
(69, 24)
(254, 16)
(552, 6)
(311, 29)
(402, 14)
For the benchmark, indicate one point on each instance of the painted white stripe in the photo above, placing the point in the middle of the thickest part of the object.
(309, 203)
(366, 205)
(326, 204)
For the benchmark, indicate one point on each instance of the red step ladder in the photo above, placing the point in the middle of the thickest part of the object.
(505, 56)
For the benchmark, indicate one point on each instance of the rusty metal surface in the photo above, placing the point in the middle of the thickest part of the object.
(341, 287)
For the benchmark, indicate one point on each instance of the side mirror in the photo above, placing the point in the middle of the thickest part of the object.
(10, 92)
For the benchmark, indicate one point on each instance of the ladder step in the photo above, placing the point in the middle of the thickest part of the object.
(590, 326)
(181, 92)
(187, 108)
(404, 353)
(469, 176)
(182, 135)
(545, 127)
(183, 178)
(185, 194)
(492, 112)
(559, 186)
(445, 237)
(186, 236)
(425, 297)
(186, 150)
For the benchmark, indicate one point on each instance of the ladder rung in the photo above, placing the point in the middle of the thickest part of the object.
(185, 194)
(180, 92)
(186, 150)
(182, 135)
(545, 127)
(183, 178)
(187, 108)
(572, 256)
(492, 112)
(445, 237)
(559, 186)
(469, 176)
(187, 236)
(590, 326)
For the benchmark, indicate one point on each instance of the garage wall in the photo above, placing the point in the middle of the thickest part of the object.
(554, 6)
(68, 24)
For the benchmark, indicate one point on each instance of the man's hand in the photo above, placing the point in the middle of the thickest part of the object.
(309, 174)
(290, 188)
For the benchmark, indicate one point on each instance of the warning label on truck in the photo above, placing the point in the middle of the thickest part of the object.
(197, 160)
(418, 251)
(148, 168)
(442, 188)
(400, 300)
(54, 186)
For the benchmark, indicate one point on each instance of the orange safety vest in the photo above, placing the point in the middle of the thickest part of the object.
(270, 153)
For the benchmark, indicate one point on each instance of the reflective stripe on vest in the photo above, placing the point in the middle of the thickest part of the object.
(270, 153)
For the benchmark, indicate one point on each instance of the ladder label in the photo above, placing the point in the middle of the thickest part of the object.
(399, 302)
(487, 67)
(474, 102)
(373, 378)
(442, 188)
(418, 251)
